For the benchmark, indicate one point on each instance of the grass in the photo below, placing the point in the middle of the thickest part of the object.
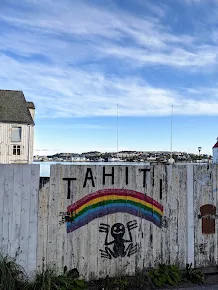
(13, 277)
(51, 280)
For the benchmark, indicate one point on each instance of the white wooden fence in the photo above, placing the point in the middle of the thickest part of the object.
(19, 186)
(109, 220)
(181, 190)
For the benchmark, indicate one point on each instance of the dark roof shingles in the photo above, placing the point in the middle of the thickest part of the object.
(14, 108)
(31, 105)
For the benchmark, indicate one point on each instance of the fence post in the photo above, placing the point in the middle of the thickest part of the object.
(190, 215)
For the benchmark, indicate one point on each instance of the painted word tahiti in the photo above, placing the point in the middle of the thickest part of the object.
(108, 201)
(110, 175)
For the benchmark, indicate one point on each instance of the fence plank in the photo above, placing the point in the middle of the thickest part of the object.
(18, 213)
(33, 222)
(2, 191)
(16, 222)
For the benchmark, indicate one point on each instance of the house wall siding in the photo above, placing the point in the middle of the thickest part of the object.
(215, 155)
(6, 146)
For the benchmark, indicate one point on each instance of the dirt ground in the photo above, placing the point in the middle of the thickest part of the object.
(211, 283)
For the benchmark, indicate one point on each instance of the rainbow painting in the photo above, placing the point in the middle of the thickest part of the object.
(107, 201)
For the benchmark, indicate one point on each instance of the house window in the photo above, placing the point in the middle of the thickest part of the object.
(16, 149)
(16, 134)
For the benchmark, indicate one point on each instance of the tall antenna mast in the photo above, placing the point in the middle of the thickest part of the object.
(117, 131)
(171, 137)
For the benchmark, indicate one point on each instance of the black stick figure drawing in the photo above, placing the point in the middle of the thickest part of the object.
(117, 232)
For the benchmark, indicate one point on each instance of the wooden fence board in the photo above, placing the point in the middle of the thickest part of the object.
(19, 187)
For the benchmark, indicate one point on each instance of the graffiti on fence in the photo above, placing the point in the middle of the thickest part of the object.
(108, 201)
(117, 232)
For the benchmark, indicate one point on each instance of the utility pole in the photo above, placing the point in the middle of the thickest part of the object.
(199, 150)
(171, 135)
(117, 132)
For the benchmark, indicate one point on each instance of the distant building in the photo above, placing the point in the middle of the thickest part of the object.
(78, 158)
(16, 128)
(215, 152)
(126, 154)
(171, 160)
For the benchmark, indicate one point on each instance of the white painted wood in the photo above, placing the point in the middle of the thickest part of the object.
(8, 183)
(182, 217)
(18, 213)
(190, 215)
(43, 209)
(6, 144)
(158, 237)
(205, 244)
(80, 249)
(33, 221)
(17, 197)
(24, 220)
(2, 185)
(184, 190)
(215, 153)
(52, 219)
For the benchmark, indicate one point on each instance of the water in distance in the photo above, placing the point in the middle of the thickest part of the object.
(45, 166)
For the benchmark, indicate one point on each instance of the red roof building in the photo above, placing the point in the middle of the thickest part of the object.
(215, 152)
(216, 145)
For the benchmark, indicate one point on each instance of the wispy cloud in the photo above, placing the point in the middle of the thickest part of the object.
(191, 2)
(80, 126)
(56, 52)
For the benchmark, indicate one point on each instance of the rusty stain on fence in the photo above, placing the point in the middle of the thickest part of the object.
(208, 216)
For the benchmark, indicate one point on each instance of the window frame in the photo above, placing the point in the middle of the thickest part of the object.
(16, 150)
(19, 134)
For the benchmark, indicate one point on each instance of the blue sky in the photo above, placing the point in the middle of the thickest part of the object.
(76, 59)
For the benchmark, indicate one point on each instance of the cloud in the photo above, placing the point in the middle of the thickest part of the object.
(59, 27)
(71, 92)
(83, 126)
(191, 2)
(159, 10)
(180, 58)
(78, 59)
(60, 33)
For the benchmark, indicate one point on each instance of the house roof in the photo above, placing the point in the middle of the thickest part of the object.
(14, 108)
(31, 105)
(216, 145)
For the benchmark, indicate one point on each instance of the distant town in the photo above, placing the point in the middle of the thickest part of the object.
(126, 156)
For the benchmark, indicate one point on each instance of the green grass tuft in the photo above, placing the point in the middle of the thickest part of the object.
(12, 276)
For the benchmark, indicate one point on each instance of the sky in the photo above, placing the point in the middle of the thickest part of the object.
(81, 61)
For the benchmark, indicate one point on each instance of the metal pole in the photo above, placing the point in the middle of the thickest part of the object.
(117, 131)
(199, 150)
(171, 137)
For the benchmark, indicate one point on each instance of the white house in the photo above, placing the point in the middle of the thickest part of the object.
(16, 128)
(215, 152)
